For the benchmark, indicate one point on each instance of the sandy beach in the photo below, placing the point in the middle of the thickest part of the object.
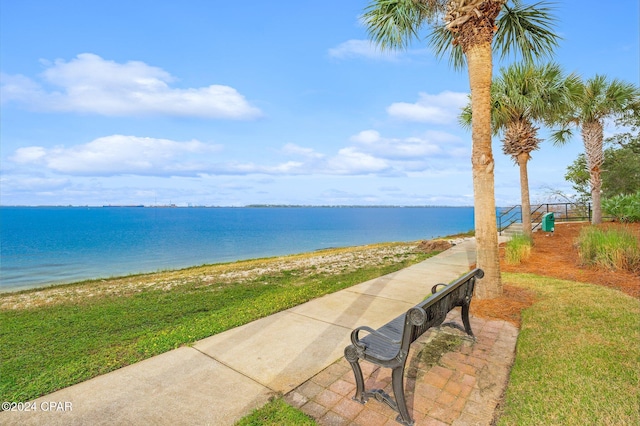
(327, 261)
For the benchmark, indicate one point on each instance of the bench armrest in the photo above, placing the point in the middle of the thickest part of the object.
(434, 289)
(355, 339)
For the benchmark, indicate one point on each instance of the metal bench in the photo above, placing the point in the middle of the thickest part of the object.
(388, 346)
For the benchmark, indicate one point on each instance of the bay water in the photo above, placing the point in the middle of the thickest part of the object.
(40, 246)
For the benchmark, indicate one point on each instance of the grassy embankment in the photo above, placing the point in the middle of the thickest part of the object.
(55, 337)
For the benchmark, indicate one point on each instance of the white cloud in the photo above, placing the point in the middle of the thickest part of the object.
(11, 183)
(366, 136)
(119, 154)
(290, 167)
(442, 108)
(369, 154)
(18, 88)
(29, 154)
(245, 169)
(347, 161)
(350, 161)
(372, 153)
(360, 48)
(293, 149)
(91, 84)
(429, 145)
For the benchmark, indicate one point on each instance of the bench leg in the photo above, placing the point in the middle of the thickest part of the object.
(351, 356)
(465, 318)
(397, 380)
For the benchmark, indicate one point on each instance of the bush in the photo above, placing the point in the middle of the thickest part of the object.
(626, 208)
(518, 249)
(609, 249)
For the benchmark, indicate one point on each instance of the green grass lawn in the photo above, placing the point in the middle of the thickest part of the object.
(49, 346)
(277, 413)
(578, 356)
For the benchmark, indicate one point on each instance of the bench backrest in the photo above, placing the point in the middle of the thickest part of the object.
(433, 310)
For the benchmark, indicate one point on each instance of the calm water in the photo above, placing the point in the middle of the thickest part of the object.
(42, 246)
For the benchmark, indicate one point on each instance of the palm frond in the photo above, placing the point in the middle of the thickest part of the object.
(562, 136)
(542, 94)
(393, 24)
(600, 98)
(441, 41)
(526, 30)
(465, 116)
(622, 96)
(561, 107)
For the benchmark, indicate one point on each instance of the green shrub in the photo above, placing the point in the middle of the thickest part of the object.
(626, 208)
(518, 249)
(616, 249)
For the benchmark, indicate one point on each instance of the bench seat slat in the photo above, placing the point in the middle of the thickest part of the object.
(380, 348)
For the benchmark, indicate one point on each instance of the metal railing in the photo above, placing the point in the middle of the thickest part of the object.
(508, 216)
(563, 212)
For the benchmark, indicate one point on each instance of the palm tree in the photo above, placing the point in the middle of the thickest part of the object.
(596, 100)
(524, 95)
(465, 30)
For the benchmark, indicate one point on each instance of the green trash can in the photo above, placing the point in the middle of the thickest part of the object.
(548, 222)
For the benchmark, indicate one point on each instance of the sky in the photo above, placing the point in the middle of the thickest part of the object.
(216, 103)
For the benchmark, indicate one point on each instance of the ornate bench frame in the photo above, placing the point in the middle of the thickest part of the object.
(388, 346)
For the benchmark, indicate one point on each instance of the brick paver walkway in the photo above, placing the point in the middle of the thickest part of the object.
(463, 386)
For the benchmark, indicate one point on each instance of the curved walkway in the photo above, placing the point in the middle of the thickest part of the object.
(298, 353)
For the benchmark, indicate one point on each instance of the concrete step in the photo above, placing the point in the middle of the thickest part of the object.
(516, 228)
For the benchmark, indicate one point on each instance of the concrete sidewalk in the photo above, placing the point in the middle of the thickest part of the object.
(220, 379)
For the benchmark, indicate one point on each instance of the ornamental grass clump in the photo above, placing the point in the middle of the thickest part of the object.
(615, 249)
(518, 249)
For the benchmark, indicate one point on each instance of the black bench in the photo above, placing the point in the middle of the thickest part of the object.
(388, 346)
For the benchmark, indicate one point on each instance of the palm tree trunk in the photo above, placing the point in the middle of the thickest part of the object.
(523, 159)
(480, 68)
(592, 135)
(596, 188)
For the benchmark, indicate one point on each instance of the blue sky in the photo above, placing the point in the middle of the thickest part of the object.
(205, 102)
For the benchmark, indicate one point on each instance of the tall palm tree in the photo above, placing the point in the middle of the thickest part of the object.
(596, 100)
(523, 95)
(465, 30)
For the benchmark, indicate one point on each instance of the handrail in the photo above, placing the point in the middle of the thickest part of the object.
(564, 212)
(512, 218)
(538, 223)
